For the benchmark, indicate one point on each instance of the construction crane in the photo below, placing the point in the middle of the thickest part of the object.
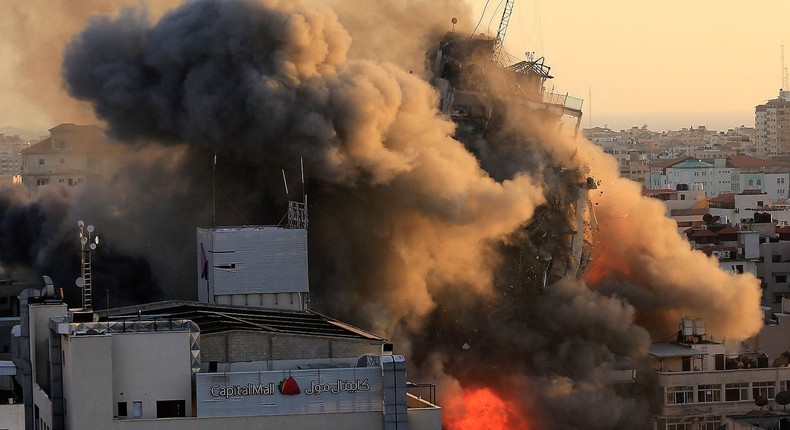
(496, 53)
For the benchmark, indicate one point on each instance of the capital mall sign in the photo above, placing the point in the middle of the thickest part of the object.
(296, 391)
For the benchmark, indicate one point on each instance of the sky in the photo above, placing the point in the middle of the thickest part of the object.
(668, 64)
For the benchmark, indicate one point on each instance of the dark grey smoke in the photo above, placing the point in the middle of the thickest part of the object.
(434, 235)
(263, 86)
(215, 75)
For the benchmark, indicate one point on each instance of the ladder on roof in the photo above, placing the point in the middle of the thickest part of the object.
(87, 302)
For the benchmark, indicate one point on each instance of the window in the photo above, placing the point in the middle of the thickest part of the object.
(680, 395)
(170, 408)
(759, 182)
(781, 278)
(42, 181)
(60, 144)
(711, 423)
(137, 409)
(674, 424)
(763, 389)
(41, 161)
(736, 392)
(709, 393)
(776, 258)
(62, 161)
(751, 183)
(122, 409)
(682, 197)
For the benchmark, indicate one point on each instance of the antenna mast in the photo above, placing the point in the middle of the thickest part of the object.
(86, 246)
(496, 53)
(297, 211)
(784, 72)
(214, 192)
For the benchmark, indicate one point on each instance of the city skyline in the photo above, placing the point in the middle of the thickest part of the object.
(669, 64)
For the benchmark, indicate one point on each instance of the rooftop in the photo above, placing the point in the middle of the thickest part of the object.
(665, 350)
(743, 161)
(669, 163)
(213, 318)
(723, 198)
(692, 164)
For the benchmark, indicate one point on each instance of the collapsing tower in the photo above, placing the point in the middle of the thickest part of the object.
(483, 93)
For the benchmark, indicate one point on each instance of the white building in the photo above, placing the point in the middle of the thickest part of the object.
(735, 174)
(769, 176)
(68, 157)
(691, 173)
(250, 356)
(253, 266)
(702, 382)
(179, 365)
(686, 207)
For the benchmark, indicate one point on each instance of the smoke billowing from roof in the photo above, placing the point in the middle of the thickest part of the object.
(434, 234)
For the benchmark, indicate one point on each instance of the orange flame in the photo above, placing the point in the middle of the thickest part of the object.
(481, 409)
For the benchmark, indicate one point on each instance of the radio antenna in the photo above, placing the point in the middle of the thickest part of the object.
(286, 185)
(304, 191)
(214, 192)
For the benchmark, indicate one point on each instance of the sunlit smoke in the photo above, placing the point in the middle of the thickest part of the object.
(438, 235)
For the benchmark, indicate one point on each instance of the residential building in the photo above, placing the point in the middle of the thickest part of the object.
(687, 207)
(721, 176)
(772, 125)
(636, 167)
(769, 176)
(68, 157)
(10, 158)
(702, 382)
(694, 173)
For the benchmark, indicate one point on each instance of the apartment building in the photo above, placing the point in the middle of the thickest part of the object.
(68, 157)
(772, 125)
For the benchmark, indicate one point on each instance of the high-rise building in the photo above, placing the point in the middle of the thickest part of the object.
(772, 126)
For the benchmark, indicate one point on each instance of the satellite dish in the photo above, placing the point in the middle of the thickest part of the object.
(90, 228)
(783, 398)
(96, 239)
(454, 20)
(93, 246)
(80, 282)
(761, 401)
(80, 224)
(83, 240)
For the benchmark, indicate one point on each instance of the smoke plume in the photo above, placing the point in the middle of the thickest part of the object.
(439, 235)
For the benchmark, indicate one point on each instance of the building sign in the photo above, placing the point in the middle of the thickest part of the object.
(354, 389)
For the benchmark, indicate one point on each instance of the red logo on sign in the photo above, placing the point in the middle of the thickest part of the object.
(289, 387)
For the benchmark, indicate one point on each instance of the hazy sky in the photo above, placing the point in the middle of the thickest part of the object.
(668, 63)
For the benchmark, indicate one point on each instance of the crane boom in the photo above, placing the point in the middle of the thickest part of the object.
(496, 53)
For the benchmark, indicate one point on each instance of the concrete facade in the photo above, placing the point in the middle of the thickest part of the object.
(140, 372)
